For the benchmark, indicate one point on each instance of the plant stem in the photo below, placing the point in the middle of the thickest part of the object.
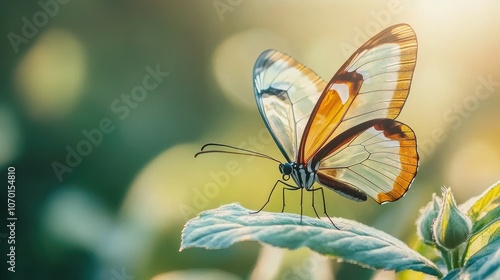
(463, 248)
(445, 254)
(455, 258)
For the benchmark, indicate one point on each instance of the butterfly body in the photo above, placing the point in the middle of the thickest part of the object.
(304, 175)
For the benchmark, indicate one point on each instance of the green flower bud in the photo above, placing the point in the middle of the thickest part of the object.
(452, 227)
(428, 215)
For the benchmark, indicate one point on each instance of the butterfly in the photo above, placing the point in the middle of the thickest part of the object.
(341, 134)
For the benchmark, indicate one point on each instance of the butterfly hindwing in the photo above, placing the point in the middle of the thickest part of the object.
(378, 158)
(286, 92)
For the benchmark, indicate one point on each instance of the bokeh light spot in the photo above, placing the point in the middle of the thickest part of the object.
(51, 74)
(234, 58)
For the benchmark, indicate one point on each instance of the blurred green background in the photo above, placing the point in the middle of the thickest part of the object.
(112, 205)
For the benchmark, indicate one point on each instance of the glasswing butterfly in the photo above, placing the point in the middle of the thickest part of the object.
(341, 134)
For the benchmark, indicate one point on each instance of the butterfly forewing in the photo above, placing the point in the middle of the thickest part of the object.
(372, 84)
(286, 92)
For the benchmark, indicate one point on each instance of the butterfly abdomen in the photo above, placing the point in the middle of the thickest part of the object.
(341, 188)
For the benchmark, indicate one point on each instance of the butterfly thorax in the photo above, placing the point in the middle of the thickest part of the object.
(303, 175)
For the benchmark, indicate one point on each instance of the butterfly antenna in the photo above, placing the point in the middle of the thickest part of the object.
(237, 151)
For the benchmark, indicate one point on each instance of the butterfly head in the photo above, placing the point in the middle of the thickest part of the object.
(285, 170)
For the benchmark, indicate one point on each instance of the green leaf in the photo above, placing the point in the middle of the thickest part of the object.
(483, 203)
(486, 235)
(452, 275)
(354, 242)
(488, 219)
(485, 231)
(485, 264)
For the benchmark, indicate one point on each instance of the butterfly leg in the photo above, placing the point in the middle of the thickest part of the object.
(324, 205)
(301, 199)
(270, 194)
(314, 207)
(290, 188)
(293, 188)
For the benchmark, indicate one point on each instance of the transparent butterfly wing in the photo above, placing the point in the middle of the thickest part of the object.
(373, 84)
(378, 158)
(361, 150)
(286, 93)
